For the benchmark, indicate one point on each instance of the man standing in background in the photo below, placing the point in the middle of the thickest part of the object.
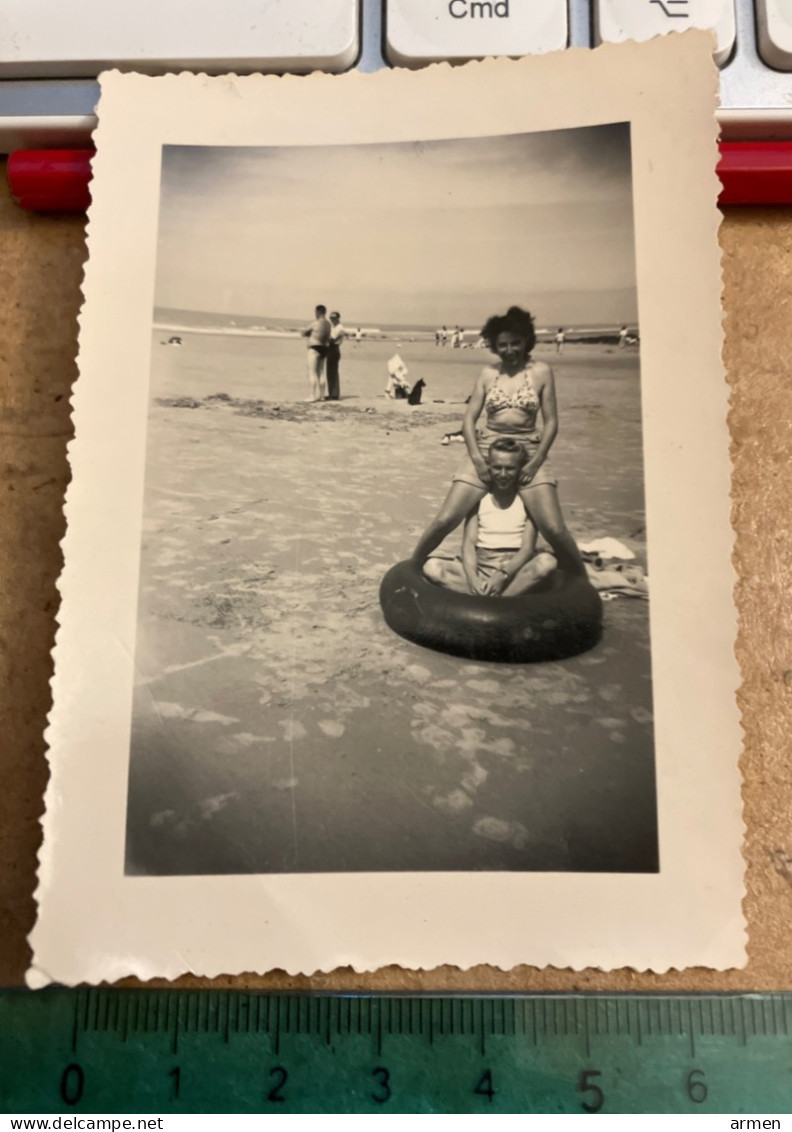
(337, 336)
(318, 335)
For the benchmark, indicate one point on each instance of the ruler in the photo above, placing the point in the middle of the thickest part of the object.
(203, 1051)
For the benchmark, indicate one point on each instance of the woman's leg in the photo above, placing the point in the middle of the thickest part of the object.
(461, 498)
(541, 503)
(447, 572)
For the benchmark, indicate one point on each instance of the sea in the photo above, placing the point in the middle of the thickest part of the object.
(212, 322)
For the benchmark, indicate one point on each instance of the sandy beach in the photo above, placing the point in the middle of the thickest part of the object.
(279, 725)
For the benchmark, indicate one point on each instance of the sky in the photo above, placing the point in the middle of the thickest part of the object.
(424, 233)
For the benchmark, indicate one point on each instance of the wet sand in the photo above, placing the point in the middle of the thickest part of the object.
(279, 725)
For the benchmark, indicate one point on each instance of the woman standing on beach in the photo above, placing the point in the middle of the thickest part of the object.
(511, 394)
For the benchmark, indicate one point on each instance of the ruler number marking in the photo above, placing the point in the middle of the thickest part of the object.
(696, 1088)
(586, 1084)
(281, 1077)
(72, 1084)
(383, 1079)
(485, 1087)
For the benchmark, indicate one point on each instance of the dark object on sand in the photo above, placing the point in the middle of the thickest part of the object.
(560, 619)
(414, 396)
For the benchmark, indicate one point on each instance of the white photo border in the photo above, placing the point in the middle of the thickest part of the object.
(94, 922)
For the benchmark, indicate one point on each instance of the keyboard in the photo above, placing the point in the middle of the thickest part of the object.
(51, 50)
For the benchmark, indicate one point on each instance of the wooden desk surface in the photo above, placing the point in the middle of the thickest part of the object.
(41, 260)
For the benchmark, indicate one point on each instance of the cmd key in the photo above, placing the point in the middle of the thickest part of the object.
(59, 39)
(426, 31)
(617, 20)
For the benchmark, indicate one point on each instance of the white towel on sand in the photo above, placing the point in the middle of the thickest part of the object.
(606, 548)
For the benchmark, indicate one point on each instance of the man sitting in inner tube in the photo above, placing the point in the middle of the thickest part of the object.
(499, 557)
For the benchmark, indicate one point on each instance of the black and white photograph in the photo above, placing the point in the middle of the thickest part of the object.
(394, 594)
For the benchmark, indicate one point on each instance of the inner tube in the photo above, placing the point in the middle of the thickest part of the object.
(560, 619)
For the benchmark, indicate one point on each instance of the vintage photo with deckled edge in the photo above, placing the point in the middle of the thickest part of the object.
(270, 692)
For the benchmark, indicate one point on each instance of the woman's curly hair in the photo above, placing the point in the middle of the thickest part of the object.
(515, 321)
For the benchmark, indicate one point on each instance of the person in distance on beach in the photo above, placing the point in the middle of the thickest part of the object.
(333, 360)
(318, 335)
(499, 556)
(511, 394)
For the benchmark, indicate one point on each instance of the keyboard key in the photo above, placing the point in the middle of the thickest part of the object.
(42, 38)
(426, 31)
(774, 25)
(617, 20)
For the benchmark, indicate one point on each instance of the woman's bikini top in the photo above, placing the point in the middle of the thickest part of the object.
(524, 397)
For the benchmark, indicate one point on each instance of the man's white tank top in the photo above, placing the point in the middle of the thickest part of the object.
(500, 528)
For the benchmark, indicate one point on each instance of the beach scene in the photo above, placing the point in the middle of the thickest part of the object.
(279, 725)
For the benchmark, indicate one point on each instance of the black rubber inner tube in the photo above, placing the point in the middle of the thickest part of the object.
(558, 620)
